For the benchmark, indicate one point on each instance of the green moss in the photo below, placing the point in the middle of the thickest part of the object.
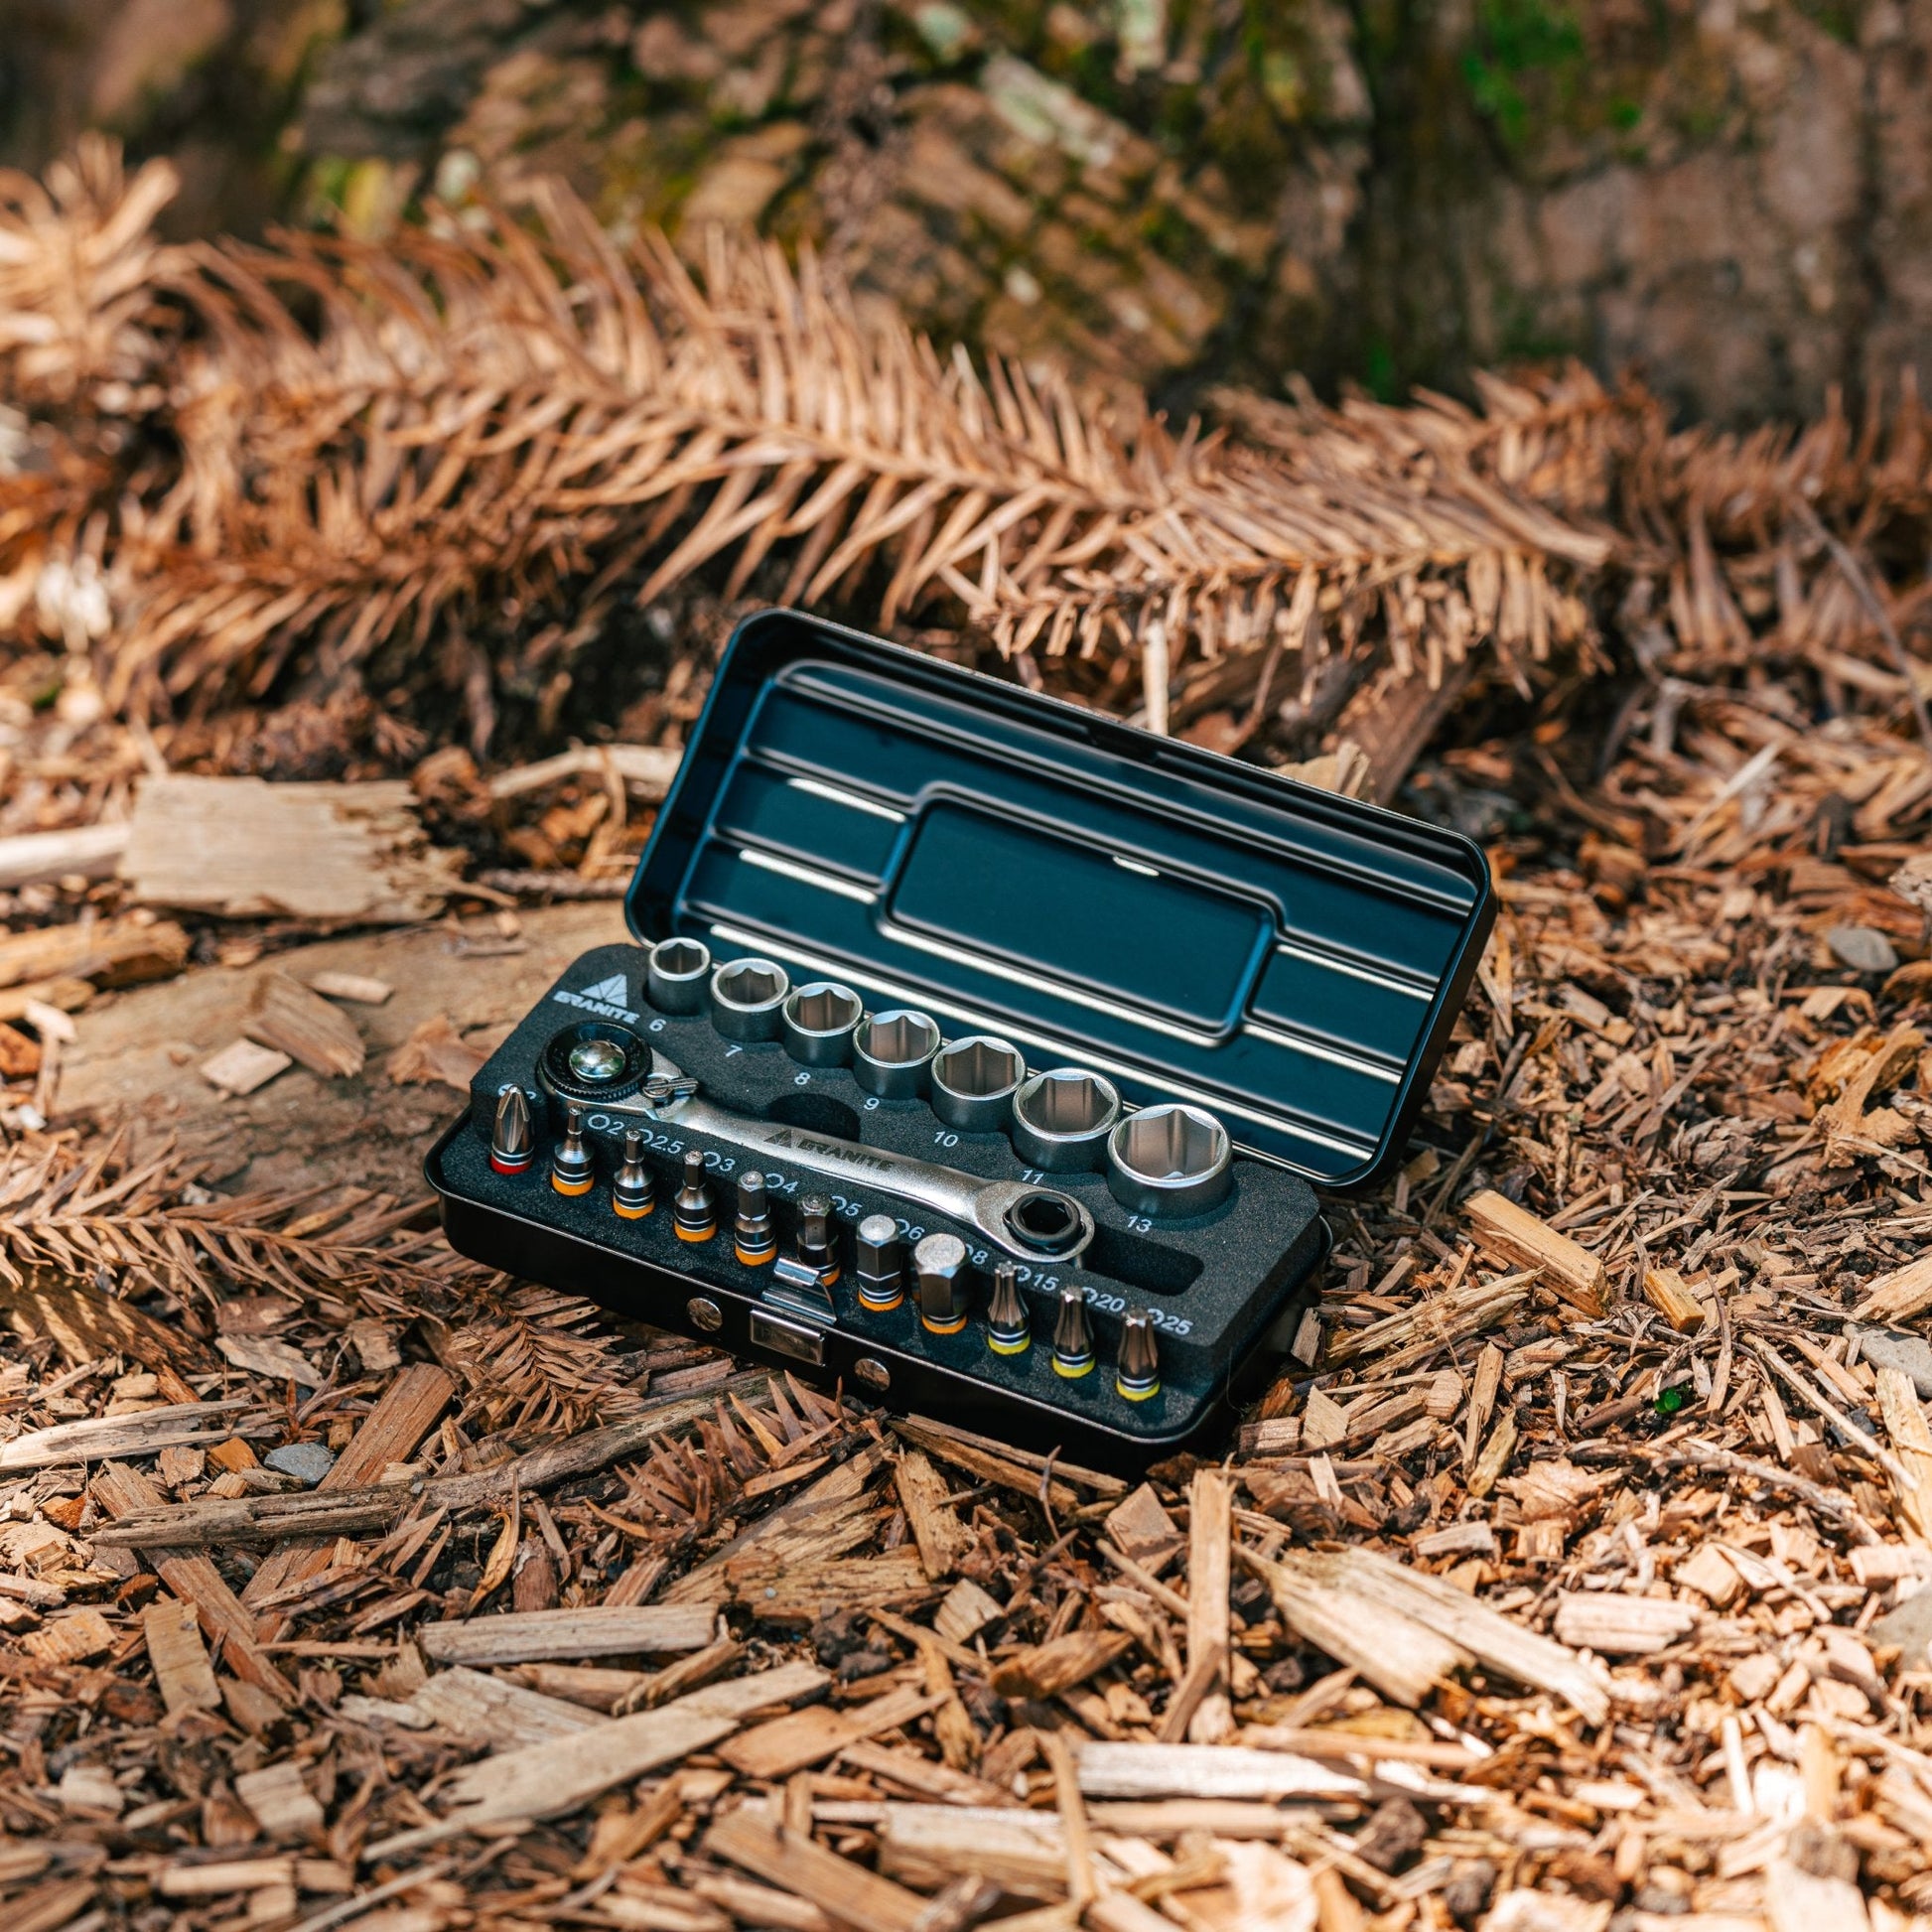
(1839, 18)
(1524, 52)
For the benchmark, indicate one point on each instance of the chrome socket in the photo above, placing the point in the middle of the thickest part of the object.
(747, 998)
(677, 974)
(1170, 1160)
(818, 1021)
(1061, 1119)
(892, 1050)
(972, 1081)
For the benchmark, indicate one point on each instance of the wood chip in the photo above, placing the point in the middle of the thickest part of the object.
(242, 1066)
(522, 1637)
(244, 848)
(1618, 1625)
(435, 1052)
(285, 1015)
(283, 1805)
(541, 1780)
(790, 1743)
(1514, 1234)
(357, 988)
(180, 1658)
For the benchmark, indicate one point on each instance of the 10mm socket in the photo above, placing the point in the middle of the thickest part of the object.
(972, 1081)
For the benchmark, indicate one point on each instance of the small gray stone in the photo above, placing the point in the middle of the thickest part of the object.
(1862, 948)
(1909, 1626)
(1886, 1348)
(307, 1461)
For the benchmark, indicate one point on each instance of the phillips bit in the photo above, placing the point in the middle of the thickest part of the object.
(633, 1188)
(572, 1166)
(1073, 1338)
(512, 1140)
(695, 1211)
(1137, 1374)
(752, 1235)
(940, 1262)
(1007, 1331)
(877, 1276)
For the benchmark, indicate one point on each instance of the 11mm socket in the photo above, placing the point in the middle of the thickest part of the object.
(1061, 1119)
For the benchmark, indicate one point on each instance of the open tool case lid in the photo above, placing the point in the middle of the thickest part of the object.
(1194, 927)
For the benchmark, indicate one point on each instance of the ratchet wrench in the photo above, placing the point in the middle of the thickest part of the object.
(1029, 1221)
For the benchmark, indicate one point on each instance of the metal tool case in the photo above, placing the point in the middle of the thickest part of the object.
(1080, 1010)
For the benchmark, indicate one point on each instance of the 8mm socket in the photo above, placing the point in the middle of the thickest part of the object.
(818, 1021)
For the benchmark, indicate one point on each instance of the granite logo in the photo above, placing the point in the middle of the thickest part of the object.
(843, 1152)
(606, 998)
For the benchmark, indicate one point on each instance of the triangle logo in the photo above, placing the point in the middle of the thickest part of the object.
(610, 990)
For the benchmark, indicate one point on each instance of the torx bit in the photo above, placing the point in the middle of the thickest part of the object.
(877, 1274)
(939, 1262)
(752, 1235)
(572, 1166)
(815, 1247)
(1137, 1374)
(1007, 1331)
(633, 1188)
(1073, 1338)
(512, 1140)
(694, 1212)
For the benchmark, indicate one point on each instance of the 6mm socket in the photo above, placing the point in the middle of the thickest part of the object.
(676, 976)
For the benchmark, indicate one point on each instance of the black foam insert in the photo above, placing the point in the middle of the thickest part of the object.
(1216, 1283)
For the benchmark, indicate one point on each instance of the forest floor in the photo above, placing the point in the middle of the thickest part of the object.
(1579, 1568)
